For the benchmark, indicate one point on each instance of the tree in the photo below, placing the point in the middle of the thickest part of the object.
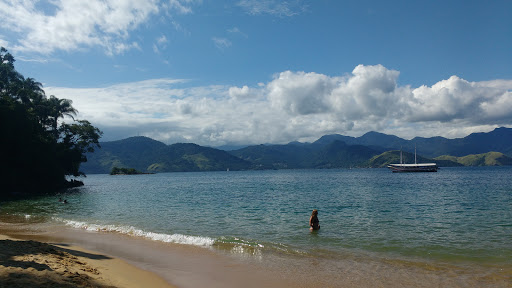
(10, 79)
(75, 140)
(36, 153)
(124, 171)
(30, 91)
(58, 108)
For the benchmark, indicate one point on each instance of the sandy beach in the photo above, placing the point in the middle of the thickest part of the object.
(40, 255)
(28, 263)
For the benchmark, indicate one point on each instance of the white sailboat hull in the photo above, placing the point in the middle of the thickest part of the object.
(423, 167)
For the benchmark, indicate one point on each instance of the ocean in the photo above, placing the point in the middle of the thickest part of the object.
(456, 222)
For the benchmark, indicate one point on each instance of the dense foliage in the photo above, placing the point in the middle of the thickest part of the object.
(37, 152)
(124, 171)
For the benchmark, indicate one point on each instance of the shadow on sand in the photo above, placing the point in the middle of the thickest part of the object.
(37, 264)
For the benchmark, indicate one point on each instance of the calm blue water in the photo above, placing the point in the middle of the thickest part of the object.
(457, 214)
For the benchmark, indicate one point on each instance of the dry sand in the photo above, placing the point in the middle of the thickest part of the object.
(38, 264)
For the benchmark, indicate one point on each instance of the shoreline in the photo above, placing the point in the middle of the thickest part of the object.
(187, 266)
(29, 263)
(176, 265)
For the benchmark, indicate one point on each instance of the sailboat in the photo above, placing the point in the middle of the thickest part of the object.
(416, 167)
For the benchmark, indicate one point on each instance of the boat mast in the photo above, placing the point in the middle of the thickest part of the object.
(415, 154)
(400, 155)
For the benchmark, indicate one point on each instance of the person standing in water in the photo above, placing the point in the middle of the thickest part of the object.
(314, 224)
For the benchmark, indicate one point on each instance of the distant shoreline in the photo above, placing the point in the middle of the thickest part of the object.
(142, 173)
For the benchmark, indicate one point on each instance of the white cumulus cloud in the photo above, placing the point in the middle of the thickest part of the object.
(301, 93)
(458, 99)
(294, 106)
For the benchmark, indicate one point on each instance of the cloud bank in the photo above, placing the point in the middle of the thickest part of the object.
(293, 106)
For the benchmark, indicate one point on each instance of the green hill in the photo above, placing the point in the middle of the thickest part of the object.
(323, 154)
(340, 155)
(148, 155)
(485, 159)
(275, 156)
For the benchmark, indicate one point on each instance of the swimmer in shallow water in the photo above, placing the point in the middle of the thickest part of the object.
(314, 224)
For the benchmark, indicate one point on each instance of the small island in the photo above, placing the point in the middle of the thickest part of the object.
(125, 171)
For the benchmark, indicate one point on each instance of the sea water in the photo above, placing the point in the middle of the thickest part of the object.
(457, 215)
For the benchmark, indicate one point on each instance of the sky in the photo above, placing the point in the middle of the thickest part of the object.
(246, 72)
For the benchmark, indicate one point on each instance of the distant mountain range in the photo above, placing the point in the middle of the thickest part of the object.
(499, 140)
(373, 149)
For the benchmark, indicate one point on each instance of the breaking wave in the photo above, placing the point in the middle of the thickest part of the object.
(132, 231)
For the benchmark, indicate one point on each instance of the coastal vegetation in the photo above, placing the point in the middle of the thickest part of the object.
(124, 171)
(485, 159)
(40, 152)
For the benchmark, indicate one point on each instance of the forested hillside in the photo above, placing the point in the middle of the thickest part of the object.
(321, 154)
(148, 155)
(485, 159)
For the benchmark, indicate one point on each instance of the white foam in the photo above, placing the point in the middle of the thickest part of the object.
(130, 230)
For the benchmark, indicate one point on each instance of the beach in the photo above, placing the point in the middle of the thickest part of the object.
(28, 263)
(38, 255)
(41, 255)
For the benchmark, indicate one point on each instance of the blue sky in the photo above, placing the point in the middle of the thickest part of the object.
(249, 72)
